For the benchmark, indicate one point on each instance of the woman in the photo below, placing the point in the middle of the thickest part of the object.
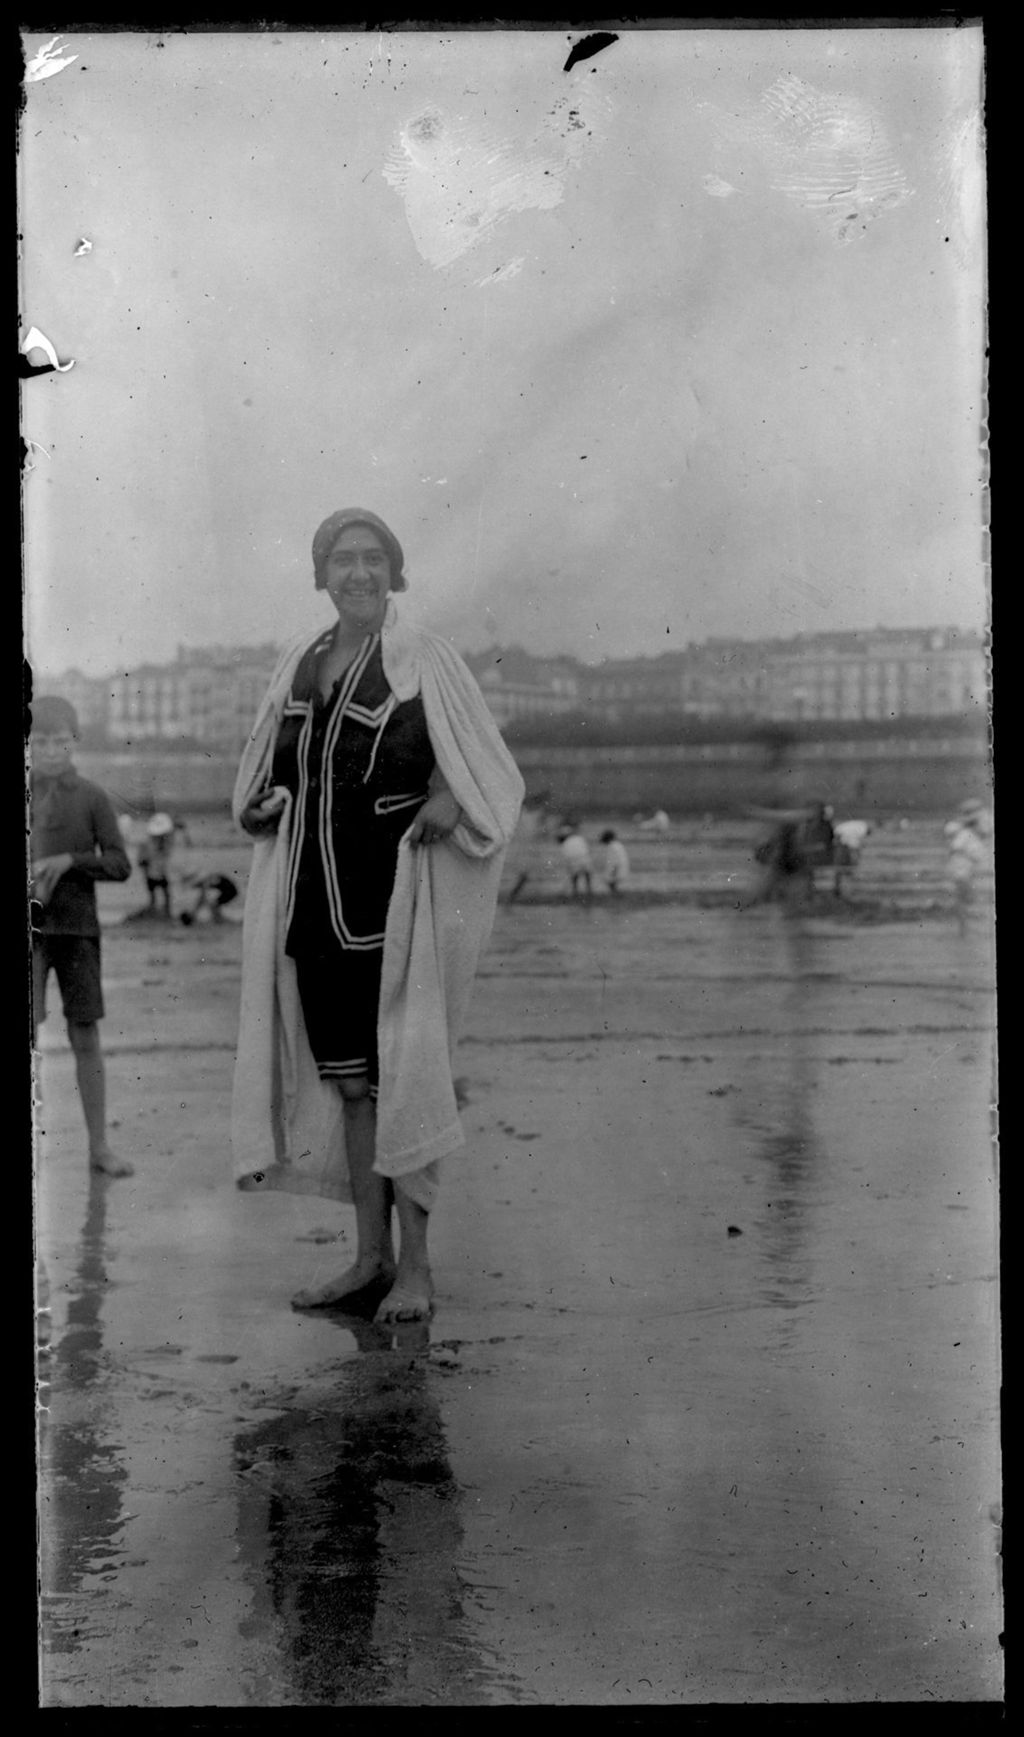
(382, 799)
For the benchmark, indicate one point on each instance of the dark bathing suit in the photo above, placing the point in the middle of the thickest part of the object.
(358, 766)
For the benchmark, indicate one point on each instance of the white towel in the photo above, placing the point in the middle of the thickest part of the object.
(287, 1126)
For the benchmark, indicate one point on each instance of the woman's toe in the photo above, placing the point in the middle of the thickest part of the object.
(403, 1305)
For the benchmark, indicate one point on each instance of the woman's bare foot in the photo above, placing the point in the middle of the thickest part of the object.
(360, 1277)
(109, 1164)
(411, 1298)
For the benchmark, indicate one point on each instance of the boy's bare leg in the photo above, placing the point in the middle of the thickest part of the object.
(373, 1198)
(92, 1089)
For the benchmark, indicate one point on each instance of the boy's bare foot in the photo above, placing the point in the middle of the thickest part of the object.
(355, 1279)
(109, 1164)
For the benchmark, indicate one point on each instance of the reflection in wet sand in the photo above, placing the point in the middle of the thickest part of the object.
(351, 1531)
(81, 1476)
(775, 1107)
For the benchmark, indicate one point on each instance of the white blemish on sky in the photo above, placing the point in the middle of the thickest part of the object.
(456, 183)
(458, 178)
(826, 151)
(37, 340)
(48, 60)
(962, 180)
(34, 446)
(502, 273)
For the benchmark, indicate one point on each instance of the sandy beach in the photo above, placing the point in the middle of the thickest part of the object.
(707, 1412)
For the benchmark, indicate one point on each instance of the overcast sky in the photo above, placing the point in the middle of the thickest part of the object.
(685, 341)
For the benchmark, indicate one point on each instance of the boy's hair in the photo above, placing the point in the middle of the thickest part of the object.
(51, 714)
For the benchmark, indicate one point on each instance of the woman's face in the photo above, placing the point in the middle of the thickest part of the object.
(358, 578)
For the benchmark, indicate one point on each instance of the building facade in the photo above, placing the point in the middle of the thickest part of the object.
(517, 686)
(920, 673)
(721, 678)
(209, 695)
(856, 677)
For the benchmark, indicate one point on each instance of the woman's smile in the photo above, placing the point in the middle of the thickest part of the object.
(358, 575)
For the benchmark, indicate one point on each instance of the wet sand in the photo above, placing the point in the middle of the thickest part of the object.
(707, 1412)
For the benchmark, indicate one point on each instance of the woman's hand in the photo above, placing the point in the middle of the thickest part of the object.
(264, 815)
(438, 817)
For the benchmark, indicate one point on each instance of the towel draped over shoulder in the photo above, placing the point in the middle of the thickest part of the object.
(287, 1125)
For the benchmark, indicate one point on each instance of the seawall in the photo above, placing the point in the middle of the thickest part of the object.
(916, 774)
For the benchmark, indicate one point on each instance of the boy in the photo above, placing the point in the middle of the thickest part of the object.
(155, 860)
(576, 853)
(215, 891)
(76, 842)
(616, 861)
(849, 842)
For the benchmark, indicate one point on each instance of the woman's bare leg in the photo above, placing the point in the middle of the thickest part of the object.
(373, 1198)
(411, 1296)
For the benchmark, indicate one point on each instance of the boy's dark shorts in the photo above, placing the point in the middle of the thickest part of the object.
(75, 959)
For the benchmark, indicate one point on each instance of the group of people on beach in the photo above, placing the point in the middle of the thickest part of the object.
(531, 849)
(381, 801)
(802, 840)
(210, 889)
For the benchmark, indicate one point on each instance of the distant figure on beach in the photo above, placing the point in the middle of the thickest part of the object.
(967, 851)
(75, 842)
(154, 859)
(849, 842)
(616, 861)
(800, 840)
(382, 799)
(576, 856)
(215, 891)
(525, 858)
(656, 822)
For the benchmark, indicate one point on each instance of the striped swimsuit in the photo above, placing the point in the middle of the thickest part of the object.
(358, 766)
